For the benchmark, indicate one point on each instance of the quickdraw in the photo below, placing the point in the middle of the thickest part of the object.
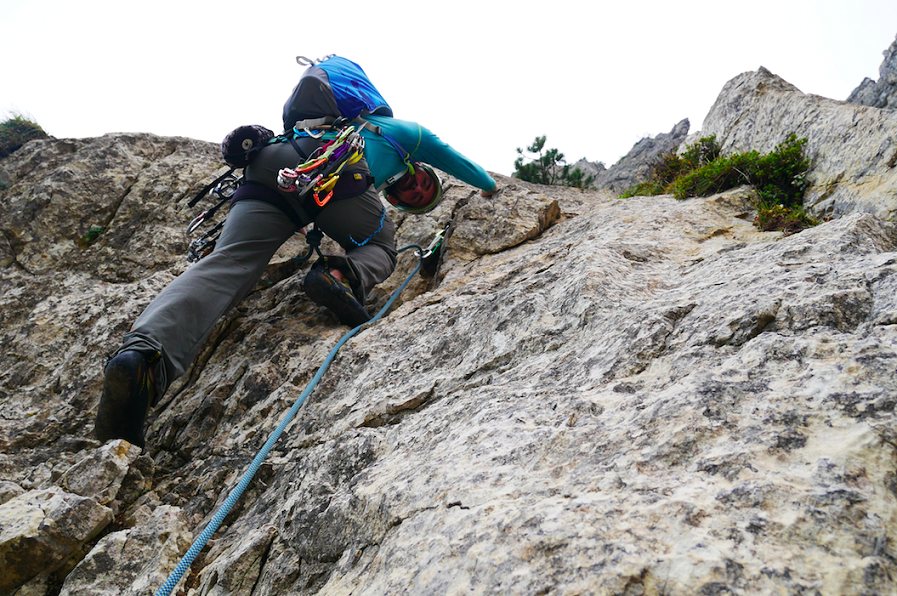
(321, 171)
(205, 244)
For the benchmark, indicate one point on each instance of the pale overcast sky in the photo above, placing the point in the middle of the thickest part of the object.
(486, 76)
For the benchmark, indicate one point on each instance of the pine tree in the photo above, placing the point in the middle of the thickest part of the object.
(548, 166)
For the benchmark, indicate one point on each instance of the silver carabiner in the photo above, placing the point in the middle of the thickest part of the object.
(429, 250)
(197, 221)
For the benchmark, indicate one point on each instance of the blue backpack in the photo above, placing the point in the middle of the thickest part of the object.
(331, 88)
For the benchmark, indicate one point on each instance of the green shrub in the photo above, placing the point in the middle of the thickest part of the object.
(720, 174)
(17, 130)
(781, 176)
(701, 153)
(779, 179)
(648, 188)
(667, 168)
(779, 217)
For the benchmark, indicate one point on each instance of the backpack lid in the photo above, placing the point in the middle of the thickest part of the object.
(334, 87)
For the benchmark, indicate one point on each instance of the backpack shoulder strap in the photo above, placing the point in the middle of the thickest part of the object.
(406, 157)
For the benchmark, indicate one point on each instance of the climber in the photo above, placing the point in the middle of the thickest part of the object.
(168, 335)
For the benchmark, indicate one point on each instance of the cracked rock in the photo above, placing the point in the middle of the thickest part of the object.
(135, 561)
(40, 529)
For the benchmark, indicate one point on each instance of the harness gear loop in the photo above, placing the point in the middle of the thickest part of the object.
(224, 190)
(214, 184)
(321, 170)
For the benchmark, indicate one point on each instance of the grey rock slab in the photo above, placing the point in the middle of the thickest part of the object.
(132, 562)
(591, 395)
(100, 475)
(40, 529)
(881, 93)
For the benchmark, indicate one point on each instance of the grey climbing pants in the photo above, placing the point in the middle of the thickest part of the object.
(179, 320)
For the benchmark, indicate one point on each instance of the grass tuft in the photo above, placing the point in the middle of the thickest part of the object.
(17, 130)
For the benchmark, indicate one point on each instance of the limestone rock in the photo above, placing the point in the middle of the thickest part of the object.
(100, 475)
(237, 571)
(635, 166)
(39, 530)
(883, 93)
(590, 395)
(9, 490)
(42, 585)
(135, 561)
(853, 148)
(595, 169)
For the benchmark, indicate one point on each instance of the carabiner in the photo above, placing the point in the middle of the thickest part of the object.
(303, 61)
(436, 242)
(310, 185)
(197, 221)
(328, 184)
(307, 167)
(326, 200)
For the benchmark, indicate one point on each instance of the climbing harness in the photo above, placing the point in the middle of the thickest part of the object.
(234, 496)
(321, 171)
(318, 174)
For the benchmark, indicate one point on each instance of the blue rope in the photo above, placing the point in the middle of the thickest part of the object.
(237, 492)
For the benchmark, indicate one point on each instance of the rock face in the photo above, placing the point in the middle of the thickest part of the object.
(853, 148)
(591, 396)
(589, 168)
(635, 166)
(881, 94)
(41, 529)
(132, 561)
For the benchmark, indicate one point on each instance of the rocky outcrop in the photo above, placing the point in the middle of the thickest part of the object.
(853, 148)
(635, 166)
(41, 529)
(883, 93)
(595, 169)
(133, 561)
(592, 396)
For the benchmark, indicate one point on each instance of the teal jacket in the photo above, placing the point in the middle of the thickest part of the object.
(386, 164)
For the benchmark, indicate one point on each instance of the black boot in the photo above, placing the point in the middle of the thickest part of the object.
(128, 393)
(336, 296)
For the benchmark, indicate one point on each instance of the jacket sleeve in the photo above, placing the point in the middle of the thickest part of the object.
(432, 150)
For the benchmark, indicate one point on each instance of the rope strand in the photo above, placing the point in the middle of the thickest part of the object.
(237, 492)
